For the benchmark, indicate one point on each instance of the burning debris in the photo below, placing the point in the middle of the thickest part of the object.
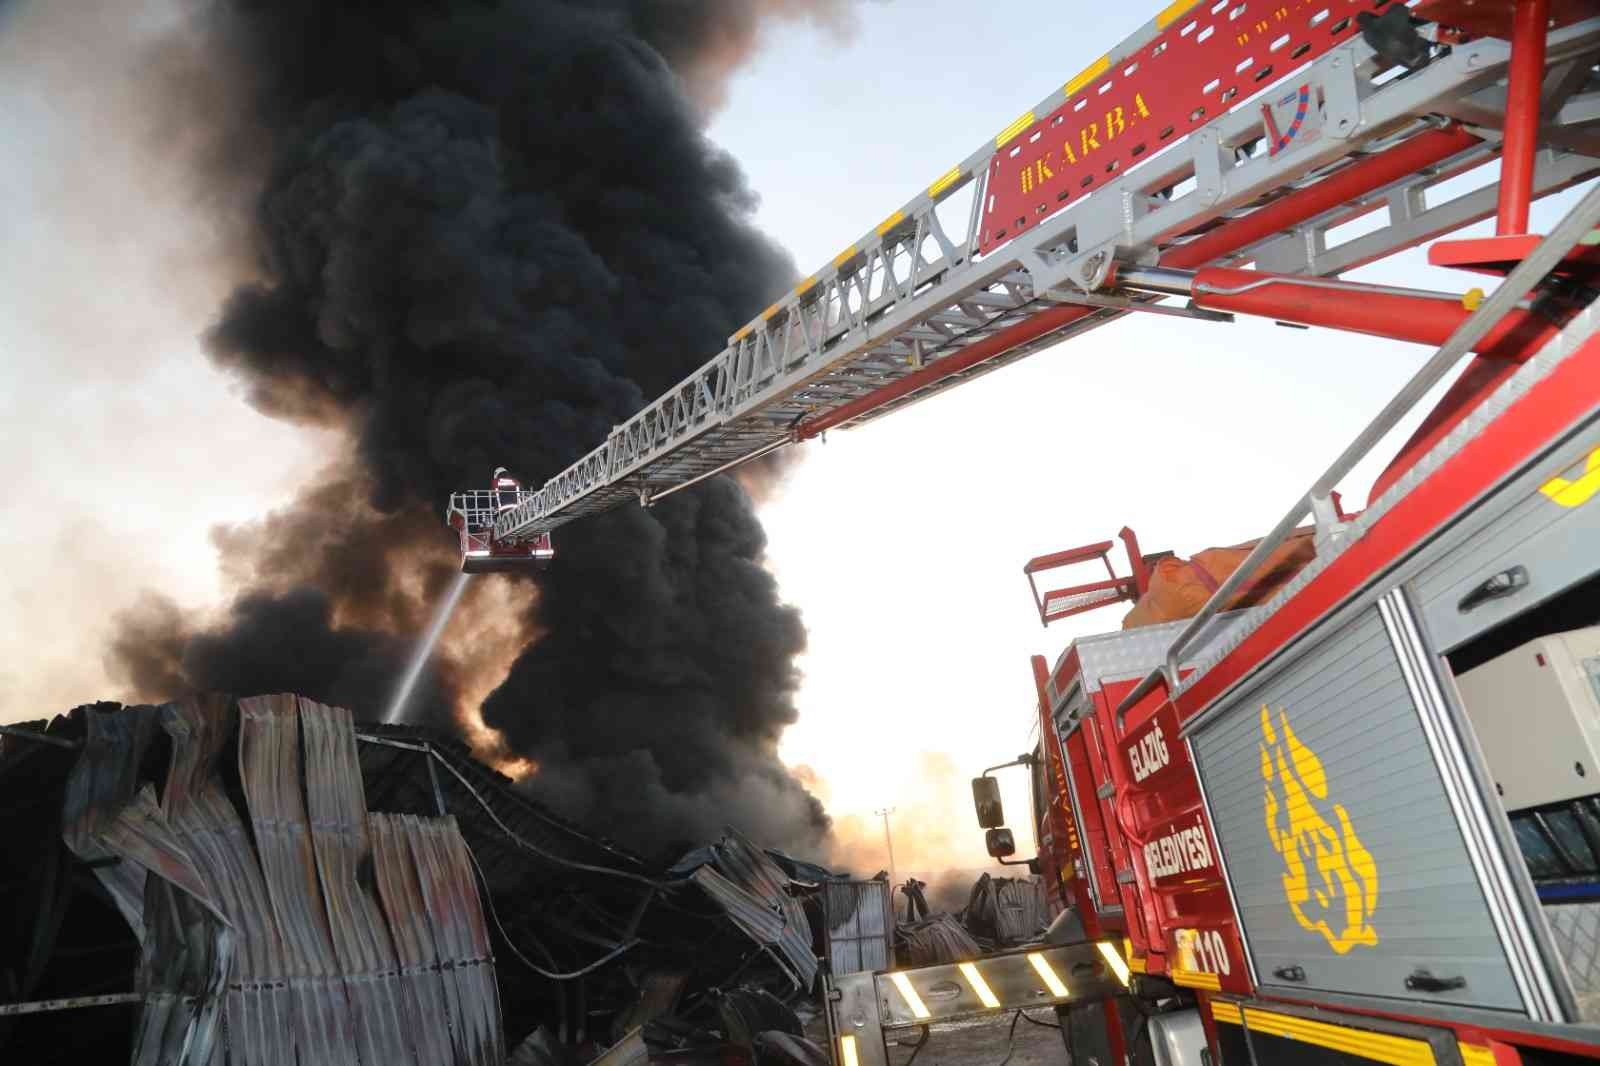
(280, 882)
(1001, 912)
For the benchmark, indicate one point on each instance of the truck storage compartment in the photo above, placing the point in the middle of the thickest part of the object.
(1536, 713)
(1512, 596)
(1350, 867)
(1535, 539)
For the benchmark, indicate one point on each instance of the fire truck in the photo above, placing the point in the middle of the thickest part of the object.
(1336, 812)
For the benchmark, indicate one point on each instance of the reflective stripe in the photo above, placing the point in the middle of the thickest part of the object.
(1088, 74)
(805, 286)
(1195, 979)
(950, 177)
(1224, 1011)
(1041, 966)
(847, 1051)
(1173, 12)
(1113, 959)
(844, 256)
(891, 222)
(1010, 132)
(914, 1001)
(1473, 1055)
(1380, 1047)
(979, 985)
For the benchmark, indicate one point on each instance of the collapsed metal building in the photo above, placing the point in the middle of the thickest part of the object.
(266, 881)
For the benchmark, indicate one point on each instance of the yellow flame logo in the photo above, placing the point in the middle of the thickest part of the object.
(1341, 903)
(1576, 492)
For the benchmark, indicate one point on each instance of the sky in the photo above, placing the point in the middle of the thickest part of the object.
(902, 541)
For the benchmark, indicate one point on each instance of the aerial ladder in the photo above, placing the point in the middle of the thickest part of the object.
(1202, 170)
(1220, 135)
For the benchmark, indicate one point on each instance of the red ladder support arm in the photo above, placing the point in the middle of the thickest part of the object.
(1368, 309)
(1345, 186)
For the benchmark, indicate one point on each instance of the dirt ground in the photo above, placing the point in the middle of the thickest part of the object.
(978, 1042)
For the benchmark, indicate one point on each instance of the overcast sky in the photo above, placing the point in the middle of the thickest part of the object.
(902, 542)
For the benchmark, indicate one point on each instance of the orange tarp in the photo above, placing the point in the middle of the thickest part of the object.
(1180, 587)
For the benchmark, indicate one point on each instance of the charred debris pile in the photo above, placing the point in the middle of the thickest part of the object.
(265, 880)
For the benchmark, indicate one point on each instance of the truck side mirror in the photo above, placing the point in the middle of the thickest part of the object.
(986, 800)
(1000, 843)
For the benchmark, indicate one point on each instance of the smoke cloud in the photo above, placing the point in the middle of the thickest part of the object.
(486, 233)
(934, 833)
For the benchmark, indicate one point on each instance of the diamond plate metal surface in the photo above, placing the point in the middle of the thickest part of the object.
(1577, 932)
(1127, 654)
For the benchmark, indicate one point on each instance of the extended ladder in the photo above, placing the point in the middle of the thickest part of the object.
(1232, 132)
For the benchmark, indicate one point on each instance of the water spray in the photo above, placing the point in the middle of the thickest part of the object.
(424, 652)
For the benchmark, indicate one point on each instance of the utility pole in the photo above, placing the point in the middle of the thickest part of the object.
(888, 842)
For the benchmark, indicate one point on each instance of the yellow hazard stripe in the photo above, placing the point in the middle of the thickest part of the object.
(1379, 1047)
(1195, 979)
(769, 312)
(743, 333)
(903, 983)
(1173, 12)
(891, 222)
(1224, 1011)
(950, 177)
(1007, 134)
(1473, 1055)
(1088, 74)
(843, 257)
(805, 286)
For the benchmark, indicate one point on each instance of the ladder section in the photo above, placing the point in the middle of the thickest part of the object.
(1009, 250)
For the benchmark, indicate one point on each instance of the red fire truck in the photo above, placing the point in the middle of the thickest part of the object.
(1360, 819)
(1345, 810)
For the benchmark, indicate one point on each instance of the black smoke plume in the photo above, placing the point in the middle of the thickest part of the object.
(488, 232)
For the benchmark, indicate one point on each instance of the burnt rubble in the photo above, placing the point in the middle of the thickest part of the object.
(267, 879)
(262, 880)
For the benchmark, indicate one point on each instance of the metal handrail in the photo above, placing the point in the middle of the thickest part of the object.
(1529, 273)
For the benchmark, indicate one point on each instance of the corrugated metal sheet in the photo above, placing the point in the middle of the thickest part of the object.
(326, 936)
(860, 929)
(188, 945)
(1008, 910)
(753, 891)
(269, 769)
(101, 783)
(940, 938)
(259, 1005)
(361, 945)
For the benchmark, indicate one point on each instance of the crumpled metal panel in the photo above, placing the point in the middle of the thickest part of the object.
(455, 918)
(421, 965)
(1012, 910)
(362, 947)
(752, 891)
(324, 936)
(103, 781)
(188, 945)
(259, 1011)
(269, 767)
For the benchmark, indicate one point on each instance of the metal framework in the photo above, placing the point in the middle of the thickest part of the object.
(942, 291)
